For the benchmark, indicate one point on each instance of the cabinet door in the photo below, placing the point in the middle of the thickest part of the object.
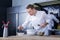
(13, 18)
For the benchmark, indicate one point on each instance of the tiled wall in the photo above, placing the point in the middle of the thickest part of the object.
(26, 2)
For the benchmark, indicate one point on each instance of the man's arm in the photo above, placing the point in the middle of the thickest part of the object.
(44, 18)
(43, 24)
(23, 26)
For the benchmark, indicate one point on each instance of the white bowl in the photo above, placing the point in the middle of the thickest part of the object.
(20, 34)
(30, 32)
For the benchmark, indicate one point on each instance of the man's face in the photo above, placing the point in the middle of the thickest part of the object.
(31, 11)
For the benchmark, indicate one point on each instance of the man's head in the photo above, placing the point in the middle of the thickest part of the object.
(31, 9)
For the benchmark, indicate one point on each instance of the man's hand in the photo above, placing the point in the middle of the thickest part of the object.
(20, 27)
(43, 25)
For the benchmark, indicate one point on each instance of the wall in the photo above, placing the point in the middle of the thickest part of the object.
(26, 2)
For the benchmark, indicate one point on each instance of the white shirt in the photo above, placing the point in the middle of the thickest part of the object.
(33, 21)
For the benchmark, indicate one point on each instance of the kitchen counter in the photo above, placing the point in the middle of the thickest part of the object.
(26, 37)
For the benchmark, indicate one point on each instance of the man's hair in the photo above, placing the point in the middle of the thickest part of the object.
(38, 6)
(30, 6)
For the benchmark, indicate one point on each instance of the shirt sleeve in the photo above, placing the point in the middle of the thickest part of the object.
(24, 25)
(45, 17)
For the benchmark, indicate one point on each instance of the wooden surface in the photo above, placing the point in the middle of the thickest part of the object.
(56, 37)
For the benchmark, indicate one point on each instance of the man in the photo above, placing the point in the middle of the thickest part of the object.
(36, 20)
